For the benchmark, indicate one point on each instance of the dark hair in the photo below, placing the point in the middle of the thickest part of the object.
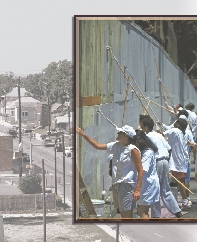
(148, 121)
(180, 106)
(143, 142)
(182, 124)
(190, 106)
(131, 140)
(183, 112)
(142, 116)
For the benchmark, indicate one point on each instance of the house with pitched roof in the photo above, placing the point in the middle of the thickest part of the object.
(9, 97)
(27, 110)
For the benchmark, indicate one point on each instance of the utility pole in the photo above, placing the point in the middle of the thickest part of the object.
(5, 105)
(117, 232)
(49, 112)
(69, 119)
(48, 103)
(55, 170)
(19, 124)
(44, 202)
(63, 166)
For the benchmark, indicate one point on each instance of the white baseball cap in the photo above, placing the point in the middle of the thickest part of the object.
(180, 108)
(127, 130)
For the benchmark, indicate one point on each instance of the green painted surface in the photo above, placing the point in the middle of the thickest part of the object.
(95, 67)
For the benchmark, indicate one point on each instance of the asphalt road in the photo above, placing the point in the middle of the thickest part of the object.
(40, 152)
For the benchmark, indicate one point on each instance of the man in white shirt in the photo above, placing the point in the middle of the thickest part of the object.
(192, 118)
(162, 156)
(173, 111)
(177, 139)
(184, 114)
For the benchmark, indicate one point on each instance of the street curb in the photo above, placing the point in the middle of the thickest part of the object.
(31, 215)
(112, 232)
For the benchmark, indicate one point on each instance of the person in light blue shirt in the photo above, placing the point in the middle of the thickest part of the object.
(162, 157)
(184, 114)
(150, 186)
(179, 157)
(127, 171)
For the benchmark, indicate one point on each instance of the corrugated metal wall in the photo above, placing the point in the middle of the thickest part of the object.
(99, 75)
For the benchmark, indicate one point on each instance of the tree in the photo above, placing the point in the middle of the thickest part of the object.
(55, 83)
(31, 184)
(186, 34)
(7, 83)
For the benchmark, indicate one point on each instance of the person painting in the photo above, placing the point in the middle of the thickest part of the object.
(127, 170)
(179, 156)
(150, 185)
(192, 118)
(162, 157)
(172, 111)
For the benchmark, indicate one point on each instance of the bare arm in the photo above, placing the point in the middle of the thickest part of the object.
(191, 144)
(91, 141)
(166, 104)
(136, 158)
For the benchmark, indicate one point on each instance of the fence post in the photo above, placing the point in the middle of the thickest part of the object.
(44, 203)
(1, 229)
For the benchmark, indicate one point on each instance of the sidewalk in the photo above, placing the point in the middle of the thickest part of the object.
(59, 223)
(2, 122)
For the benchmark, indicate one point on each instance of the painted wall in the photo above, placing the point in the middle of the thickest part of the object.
(100, 76)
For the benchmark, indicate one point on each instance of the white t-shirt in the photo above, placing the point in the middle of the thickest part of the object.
(193, 118)
(173, 116)
(150, 190)
(161, 144)
(123, 168)
(196, 165)
(179, 157)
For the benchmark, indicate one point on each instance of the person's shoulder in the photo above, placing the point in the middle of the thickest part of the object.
(112, 143)
(131, 147)
(147, 152)
(154, 134)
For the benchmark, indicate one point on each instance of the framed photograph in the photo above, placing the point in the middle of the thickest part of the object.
(135, 83)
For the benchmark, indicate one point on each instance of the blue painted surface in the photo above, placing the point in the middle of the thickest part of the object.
(100, 75)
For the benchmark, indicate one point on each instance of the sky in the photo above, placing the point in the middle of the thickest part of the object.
(34, 33)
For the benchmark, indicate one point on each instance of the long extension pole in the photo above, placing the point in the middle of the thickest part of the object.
(98, 111)
(189, 121)
(181, 183)
(128, 79)
(159, 77)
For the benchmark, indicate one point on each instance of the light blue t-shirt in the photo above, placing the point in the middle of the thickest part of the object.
(150, 190)
(179, 157)
(123, 168)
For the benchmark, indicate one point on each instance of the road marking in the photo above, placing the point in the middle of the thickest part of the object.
(158, 235)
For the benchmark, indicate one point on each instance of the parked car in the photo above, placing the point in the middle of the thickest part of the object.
(15, 127)
(49, 143)
(13, 132)
(25, 157)
(26, 131)
(69, 151)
